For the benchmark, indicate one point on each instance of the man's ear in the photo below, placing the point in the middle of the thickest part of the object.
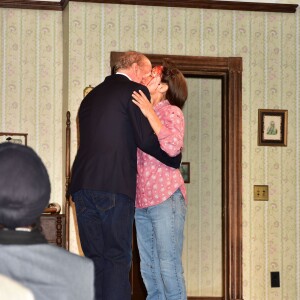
(135, 67)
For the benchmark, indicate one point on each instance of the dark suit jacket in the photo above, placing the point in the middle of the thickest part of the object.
(111, 128)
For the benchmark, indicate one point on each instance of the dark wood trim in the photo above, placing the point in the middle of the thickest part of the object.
(68, 177)
(64, 3)
(28, 4)
(206, 4)
(229, 69)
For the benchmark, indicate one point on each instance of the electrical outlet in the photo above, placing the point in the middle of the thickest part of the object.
(261, 192)
(275, 279)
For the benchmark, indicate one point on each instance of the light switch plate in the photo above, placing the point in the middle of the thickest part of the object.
(261, 192)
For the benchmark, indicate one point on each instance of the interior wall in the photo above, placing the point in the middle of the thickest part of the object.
(202, 253)
(31, 84)
(31, 101)
(269, 45)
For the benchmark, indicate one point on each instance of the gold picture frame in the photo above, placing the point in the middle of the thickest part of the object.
(272, 127)
(14, 137)
(87, 90)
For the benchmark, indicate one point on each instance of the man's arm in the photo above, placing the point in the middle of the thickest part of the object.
(152, 147)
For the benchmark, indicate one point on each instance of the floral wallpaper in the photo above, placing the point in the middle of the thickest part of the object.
(202, 254)
(31, 84)
(47, 58)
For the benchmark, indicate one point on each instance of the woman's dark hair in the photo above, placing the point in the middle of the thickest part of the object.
(177, 92)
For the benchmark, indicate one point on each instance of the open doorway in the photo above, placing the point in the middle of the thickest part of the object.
(229, 71)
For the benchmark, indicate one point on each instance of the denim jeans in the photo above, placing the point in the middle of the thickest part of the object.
(160, 241)
(105, 223)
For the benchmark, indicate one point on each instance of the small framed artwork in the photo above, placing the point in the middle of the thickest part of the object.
(185, 171)
(272, 127)
(13, 137)
(87, 90)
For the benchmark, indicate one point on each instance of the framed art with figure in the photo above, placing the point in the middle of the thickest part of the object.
(272, 127)
(185, 171)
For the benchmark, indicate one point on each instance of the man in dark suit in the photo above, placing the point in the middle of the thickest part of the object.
(103, 181)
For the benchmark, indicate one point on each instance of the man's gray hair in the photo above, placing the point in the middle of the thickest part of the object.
(127, 59)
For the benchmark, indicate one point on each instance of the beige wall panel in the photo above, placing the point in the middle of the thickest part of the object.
(12, 48)
(160, 25)
(31, 54)
(273, 156)
(143, 29)
(226, 29)
(94, 48)
(243, 48)
(210, 29)
(111, 30)
(127, 27)
(178, 31)
(193, 219)
(203, 228)
(193, 31)
(288, 196)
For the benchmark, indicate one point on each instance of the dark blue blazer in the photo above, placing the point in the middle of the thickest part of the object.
(111, 128)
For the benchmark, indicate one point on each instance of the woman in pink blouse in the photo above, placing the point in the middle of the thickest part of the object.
(161, 194)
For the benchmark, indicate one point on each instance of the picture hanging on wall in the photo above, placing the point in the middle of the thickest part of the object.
(185, 171)
(13, 137)
(272, 127)
(87, 90)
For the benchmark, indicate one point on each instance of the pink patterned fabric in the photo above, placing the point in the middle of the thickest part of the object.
(156, 182)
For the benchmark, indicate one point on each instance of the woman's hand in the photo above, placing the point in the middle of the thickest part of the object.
(146, 107)
(143, 103)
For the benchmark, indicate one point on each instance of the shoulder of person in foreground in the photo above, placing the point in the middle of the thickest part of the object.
(49, 271)
(77, 270)
(63, 256)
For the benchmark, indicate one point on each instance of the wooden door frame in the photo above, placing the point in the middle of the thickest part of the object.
(229, 70)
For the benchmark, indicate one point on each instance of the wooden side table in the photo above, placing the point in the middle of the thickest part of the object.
(54, 228)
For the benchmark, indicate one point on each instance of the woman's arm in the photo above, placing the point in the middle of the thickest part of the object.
(146, 107)
(146, 140)
(170, 133)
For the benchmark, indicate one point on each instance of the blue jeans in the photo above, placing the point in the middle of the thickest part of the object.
(160, 241)
(105, 228)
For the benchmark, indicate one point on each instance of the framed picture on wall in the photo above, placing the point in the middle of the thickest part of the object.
(87, 90)
(13, 137)
(185, 171)
(272, 127)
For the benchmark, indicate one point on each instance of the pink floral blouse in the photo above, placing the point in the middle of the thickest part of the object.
(156, 182)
